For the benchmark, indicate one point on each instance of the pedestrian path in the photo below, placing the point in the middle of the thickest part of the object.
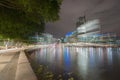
(10, 50)
(14, 65)
(8, 65)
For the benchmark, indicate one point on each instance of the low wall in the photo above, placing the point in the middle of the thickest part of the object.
(24, 70)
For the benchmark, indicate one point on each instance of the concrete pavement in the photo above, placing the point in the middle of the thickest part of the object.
(8, 65)
(14, 65)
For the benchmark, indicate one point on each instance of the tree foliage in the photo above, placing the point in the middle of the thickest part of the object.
(22, 18)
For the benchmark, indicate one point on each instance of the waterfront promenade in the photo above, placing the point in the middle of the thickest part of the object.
(14, 65)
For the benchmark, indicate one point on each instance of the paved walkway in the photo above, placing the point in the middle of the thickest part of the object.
(14, 65)
(8, 65)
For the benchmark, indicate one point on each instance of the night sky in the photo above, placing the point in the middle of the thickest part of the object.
(107, 11)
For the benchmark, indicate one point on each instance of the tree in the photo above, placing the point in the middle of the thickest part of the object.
(20, 19)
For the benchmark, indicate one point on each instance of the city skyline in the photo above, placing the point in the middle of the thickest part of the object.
(107, 11)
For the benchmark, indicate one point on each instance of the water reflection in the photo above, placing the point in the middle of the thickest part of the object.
(88, 62)
(82, 61)
(66, 59)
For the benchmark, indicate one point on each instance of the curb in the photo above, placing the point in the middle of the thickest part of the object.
(24, 70)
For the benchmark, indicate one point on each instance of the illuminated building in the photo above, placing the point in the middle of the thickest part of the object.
(86, 32)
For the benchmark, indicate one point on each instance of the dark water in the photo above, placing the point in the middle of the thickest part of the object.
(86, 63)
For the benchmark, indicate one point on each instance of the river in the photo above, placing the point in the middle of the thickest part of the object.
(81, 63)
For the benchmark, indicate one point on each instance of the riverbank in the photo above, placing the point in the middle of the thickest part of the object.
(81, 44)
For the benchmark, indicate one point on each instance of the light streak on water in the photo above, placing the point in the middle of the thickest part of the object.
(109, 55)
